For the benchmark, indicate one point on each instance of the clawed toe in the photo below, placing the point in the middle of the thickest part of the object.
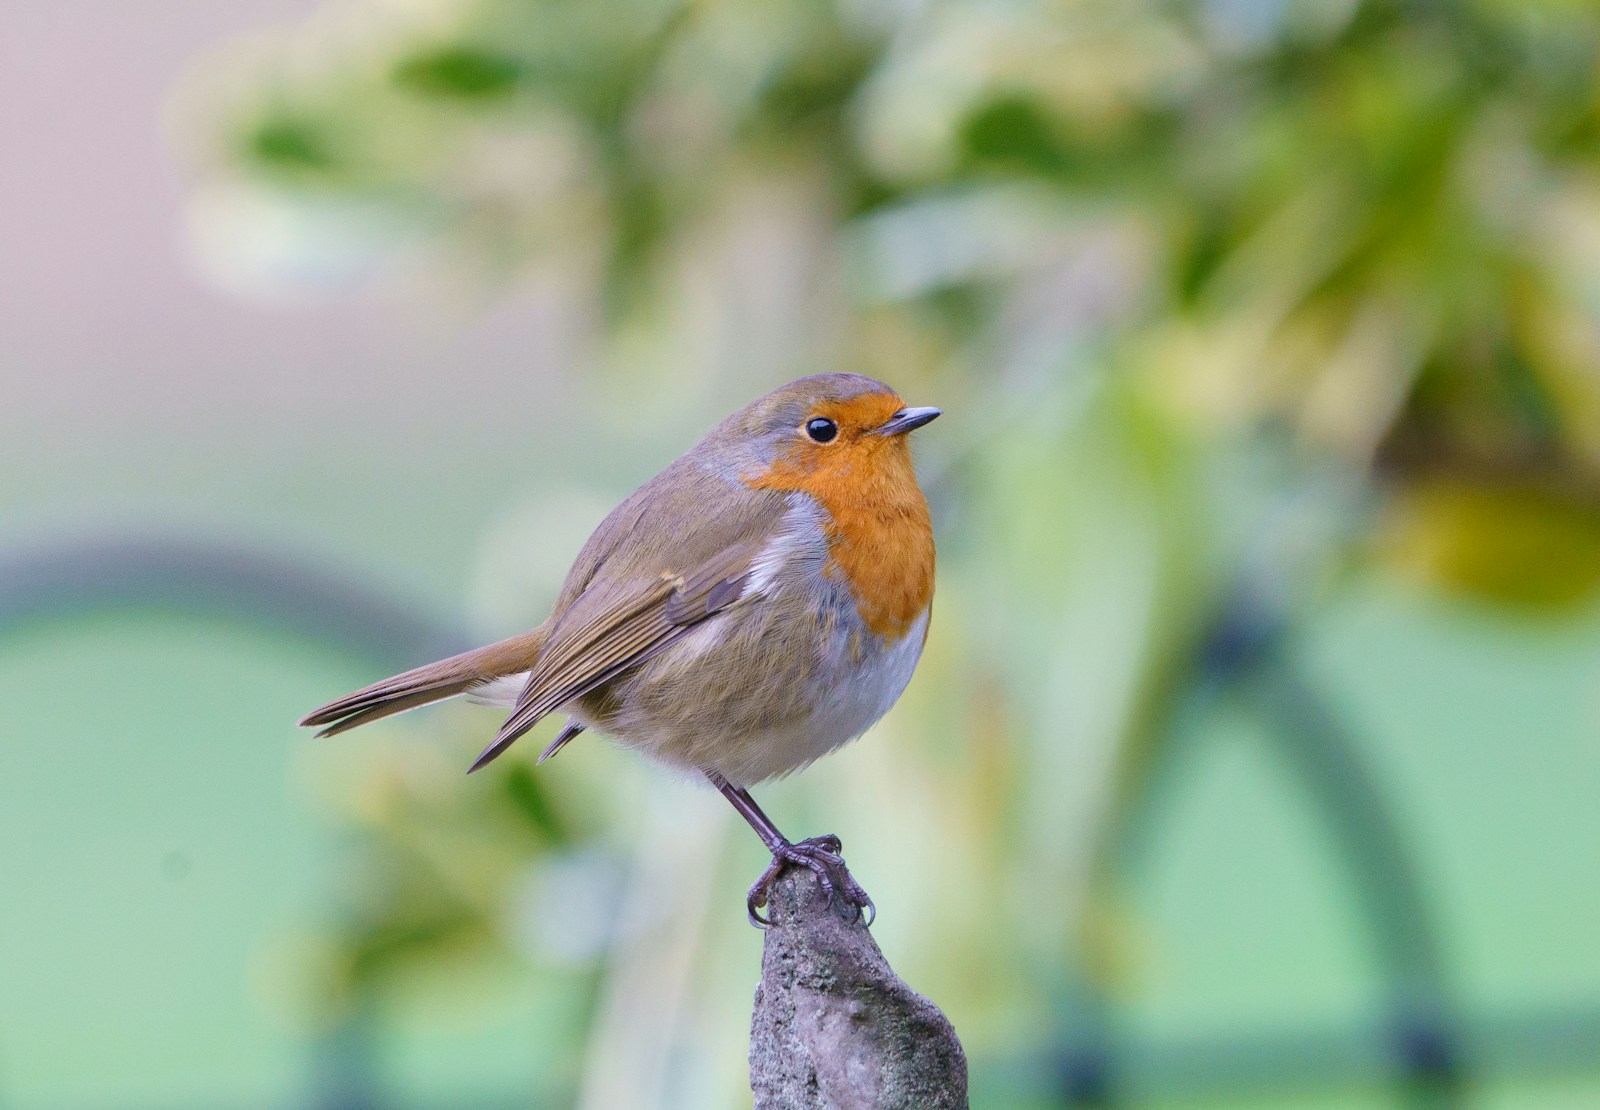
(823, 856)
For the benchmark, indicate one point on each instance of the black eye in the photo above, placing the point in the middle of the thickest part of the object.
(821, 429)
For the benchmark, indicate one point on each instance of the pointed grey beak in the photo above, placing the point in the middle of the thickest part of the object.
(907, 419)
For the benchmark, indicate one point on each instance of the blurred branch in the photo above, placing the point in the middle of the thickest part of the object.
(834, 1026)
(202, 578)
(1245, 651)
(49, 584)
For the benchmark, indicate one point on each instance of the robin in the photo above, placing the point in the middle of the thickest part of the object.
(759, 603)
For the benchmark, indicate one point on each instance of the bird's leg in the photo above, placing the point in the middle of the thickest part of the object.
(822, 854)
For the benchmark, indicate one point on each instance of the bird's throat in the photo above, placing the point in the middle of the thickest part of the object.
(880, 537)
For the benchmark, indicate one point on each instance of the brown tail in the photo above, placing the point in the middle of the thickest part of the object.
(434, 682)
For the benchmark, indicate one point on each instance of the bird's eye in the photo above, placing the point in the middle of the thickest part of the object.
(821, 429)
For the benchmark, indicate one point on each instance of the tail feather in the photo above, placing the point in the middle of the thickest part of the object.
(397, 704)
(430, 683)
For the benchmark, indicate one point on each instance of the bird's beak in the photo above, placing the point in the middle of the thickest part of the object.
(907, 419)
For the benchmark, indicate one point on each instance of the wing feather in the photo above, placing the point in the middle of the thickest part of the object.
(604, 636)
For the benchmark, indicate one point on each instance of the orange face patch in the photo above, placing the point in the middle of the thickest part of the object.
(879, 533)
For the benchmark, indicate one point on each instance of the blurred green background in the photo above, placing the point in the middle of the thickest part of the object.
(1254, 758)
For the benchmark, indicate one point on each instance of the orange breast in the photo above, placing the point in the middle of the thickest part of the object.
(879, 533)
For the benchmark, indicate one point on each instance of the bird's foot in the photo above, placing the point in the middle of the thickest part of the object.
(824, 856)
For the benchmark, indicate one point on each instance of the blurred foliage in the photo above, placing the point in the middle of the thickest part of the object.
(434, 877)
(1150, 252)
(1372, 221)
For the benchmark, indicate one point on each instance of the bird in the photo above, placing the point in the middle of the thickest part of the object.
(758, 604)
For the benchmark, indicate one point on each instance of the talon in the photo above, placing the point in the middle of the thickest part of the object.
(823, 857)
(758, 896)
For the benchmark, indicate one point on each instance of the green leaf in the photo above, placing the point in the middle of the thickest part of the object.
(531, 803)
(1012, 131)
(460, 73)
(290, 144)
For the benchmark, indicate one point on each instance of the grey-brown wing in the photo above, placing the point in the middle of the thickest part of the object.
(620, 620)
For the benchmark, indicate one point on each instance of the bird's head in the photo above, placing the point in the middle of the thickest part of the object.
(835, 436)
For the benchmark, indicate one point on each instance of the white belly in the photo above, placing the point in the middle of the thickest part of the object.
(846, 705)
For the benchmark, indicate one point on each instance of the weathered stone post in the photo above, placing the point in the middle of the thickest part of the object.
(834, 1028)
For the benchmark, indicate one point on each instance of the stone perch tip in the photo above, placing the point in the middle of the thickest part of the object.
(834, 1028)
